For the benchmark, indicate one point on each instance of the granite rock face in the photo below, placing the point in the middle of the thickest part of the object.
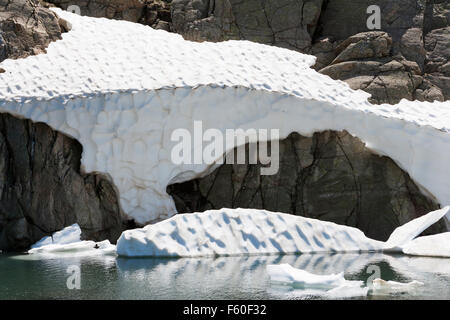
(407, 58)
(42, 189)
(331, 176)
(437, 43)
(336, 32)
(403, 71)
(129, 10)
(26, 28)
(155, 13)
(284, 23)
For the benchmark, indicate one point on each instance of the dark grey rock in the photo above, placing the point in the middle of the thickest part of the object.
(331, 176)
(284, 23)
(343, 18)
(155, 13)
(335, 31)
(43, 191)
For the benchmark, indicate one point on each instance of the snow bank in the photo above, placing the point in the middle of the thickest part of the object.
(230, 232)
(254, 231)
(241, 231)
(65, 236)
(122, 88)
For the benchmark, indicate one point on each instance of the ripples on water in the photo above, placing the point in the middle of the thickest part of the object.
(245, 277)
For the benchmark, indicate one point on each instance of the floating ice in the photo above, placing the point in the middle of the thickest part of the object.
(331, 285)
(67, 242)
(380, 285)
(285, 273)
(122, 102)
(67, 235)
(75, 249)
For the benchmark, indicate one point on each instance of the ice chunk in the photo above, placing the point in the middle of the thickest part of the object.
(382, 286)
(79, 246)
(67, 243)
(75, 249)
(67, 235)
(407, 232)
(437, 245)
(285, 273)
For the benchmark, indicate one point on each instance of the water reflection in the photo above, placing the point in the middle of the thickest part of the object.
(242, 277)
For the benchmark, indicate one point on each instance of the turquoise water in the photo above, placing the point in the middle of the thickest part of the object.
(25, 277)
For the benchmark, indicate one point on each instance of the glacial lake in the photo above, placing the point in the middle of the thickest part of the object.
(245, 277)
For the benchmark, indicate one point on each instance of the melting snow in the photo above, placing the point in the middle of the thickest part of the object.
(121, 89)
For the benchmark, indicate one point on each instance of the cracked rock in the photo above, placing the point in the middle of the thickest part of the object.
(331, 176)
(364, 45)
(284, 23)
(42, 189)
(26, 28)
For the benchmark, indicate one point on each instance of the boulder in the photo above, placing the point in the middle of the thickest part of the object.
(26, 28)
(388, 80)
(412, 46)
(364, 45)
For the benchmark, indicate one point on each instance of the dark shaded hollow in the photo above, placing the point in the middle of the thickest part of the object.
(330, 176)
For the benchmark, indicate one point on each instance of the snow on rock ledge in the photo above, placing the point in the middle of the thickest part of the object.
(122, 88)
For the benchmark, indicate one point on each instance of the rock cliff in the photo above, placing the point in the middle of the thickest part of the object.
(42, 188)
